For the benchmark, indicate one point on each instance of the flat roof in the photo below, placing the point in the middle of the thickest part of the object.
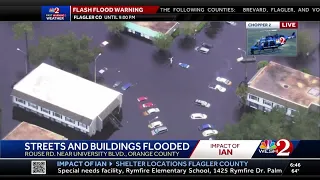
(26, 131)
(67, 91)
(158, 26)
(287, 83)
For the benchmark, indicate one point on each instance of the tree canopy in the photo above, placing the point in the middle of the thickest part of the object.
(273, 125)
(241, 92)
(115, 27)
(163, 42)
(305, 43)
(306, 70)
(188, 28)
(67, 51)
(23, 28)
(262, 64)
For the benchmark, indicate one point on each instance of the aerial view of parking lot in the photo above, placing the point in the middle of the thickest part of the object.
(140, 80)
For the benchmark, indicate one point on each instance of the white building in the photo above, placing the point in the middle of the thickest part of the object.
(66, 98)
(151, 29)
(279, 86)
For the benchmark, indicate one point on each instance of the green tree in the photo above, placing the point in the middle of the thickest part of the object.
(305, 43)
(68, 52)
(273, 125)
(116, 27)
(188, 28)
(24, 30)
(262, 64)
(163, 42)
(305, 70)
(241, 92)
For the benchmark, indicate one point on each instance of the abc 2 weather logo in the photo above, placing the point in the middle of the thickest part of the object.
(282, 147)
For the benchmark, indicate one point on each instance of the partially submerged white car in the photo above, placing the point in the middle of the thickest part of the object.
(104, 43)
(224, 81)
(198, 116)
(150, 111)
(209, 132)
(202, 50)
(202, 103)
(217, 87)
(155, 124)
(232, 23)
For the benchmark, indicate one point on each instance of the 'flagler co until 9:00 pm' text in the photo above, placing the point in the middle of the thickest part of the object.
(103, 17)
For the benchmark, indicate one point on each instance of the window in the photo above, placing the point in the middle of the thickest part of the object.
(269, 103)
(70, 120)
(57, 115)
(253, 97)
(253, 105)
(20, 101)
(33, 105)
(278, 106)
(82, 125)
(45, 110)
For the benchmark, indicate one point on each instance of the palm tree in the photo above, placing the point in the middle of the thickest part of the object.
(241, 92)
(24, 30)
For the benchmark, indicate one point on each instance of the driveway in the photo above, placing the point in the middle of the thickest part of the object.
(173, 90)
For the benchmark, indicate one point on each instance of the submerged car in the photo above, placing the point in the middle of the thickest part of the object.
(206, 45)
(220, 88)
(205, 127)
(126, 86)
(155, 124)
(202, 49)
(198, 116)
(142, 98)
(151, 111)
(224, 80)
(116, 84)
(147, 105)
(104, 43)
(209, 132)
(159, 130)
(202, 103)
(217, 87)
(183, 65)
(232, 23)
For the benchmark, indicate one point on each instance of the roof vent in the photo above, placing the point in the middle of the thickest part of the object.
(314, 92)
(286, 86)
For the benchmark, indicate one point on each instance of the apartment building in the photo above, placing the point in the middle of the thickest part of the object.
(27, 131)
(279, 86)
(65, 98)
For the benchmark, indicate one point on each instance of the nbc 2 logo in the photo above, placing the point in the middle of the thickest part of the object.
(282, 147)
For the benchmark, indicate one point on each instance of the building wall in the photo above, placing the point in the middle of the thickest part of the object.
(138, 34)
(275, 99)
(266, 105)
(54, 116)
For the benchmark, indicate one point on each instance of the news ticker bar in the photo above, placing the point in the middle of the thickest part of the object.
(164, 13)
(160, 167)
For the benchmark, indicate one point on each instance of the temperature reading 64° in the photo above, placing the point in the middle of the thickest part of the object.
(294, 171)
(127, 17)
